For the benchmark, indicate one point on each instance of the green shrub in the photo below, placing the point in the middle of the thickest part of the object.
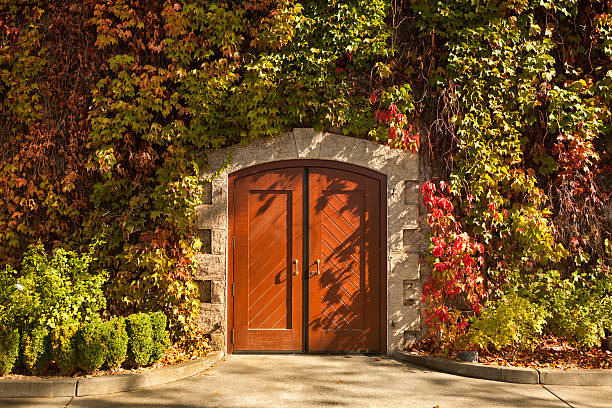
(161, 338)
(580, 314)
(51, 291)
(36, 349)
(140, 333)
(9, 349)
(91, 348)
(64, 348)
(116, 342)
(513, 321)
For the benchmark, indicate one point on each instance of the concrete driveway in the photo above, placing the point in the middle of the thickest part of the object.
(332, 381)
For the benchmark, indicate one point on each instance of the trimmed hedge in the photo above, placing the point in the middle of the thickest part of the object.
(36, 350)
(161, 338)
(64, 348)
(140, 339)
(9, 349)
(140, 332)
(116, 341)
(90, 345)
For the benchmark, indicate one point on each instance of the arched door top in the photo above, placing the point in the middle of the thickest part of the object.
(329, 164)
(304, 143)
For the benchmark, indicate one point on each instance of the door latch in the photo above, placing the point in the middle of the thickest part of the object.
(318, 271)
(297, 270)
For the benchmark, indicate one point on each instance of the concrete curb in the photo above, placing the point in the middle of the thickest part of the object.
(38, 387)
(509, 374)
(106, 384)
(495, 373)
(575, 377)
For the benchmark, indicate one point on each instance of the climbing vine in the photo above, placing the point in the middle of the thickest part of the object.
(526, 111)
(107, 105)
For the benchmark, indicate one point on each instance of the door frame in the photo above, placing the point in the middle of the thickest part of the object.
(381, 178)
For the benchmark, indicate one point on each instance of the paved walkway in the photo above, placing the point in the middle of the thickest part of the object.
(332, 381)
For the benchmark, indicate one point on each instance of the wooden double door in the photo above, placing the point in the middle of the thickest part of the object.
(306, 265)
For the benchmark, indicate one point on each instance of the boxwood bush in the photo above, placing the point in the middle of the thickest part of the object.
(36, 349)
(116, 342)
(140, 339)
(9, 349)
(64, 348)
(161, 337)
(91, 348)
(140, 332)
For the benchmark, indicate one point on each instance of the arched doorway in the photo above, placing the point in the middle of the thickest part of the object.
(402, 235)
(307, 258)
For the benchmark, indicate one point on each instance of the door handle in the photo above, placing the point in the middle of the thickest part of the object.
(297, 270)
(318, 271)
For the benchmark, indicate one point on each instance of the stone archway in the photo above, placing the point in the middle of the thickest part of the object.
(403, 238)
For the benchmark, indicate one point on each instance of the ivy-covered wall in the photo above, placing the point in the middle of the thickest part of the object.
(107, 105)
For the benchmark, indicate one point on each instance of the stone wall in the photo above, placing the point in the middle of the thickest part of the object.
(404, 236)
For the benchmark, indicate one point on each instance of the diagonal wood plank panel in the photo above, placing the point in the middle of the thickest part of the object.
(269, 262)
(341, 247)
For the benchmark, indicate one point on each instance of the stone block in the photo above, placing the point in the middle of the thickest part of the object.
(343, 149)
(395, 341)
(217, 292)
(401, 318)
(217, 161)
(395, 193)
(404, 266)
(403, 217)
(397, 164)
(308, 143)
(469, 356)
(217, 341)
(211, 217)
(263, 150)
(410, 338)
(219, 190)
(395, 240)
(209, 267)
(283, 146)
(411, 292)
(412, 192)
(218, 241)
(404, 318)
(211, 318)
(413, 241)
(211, 291)
(424, 269)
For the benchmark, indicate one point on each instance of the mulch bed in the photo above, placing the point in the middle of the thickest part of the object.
(551, 353)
